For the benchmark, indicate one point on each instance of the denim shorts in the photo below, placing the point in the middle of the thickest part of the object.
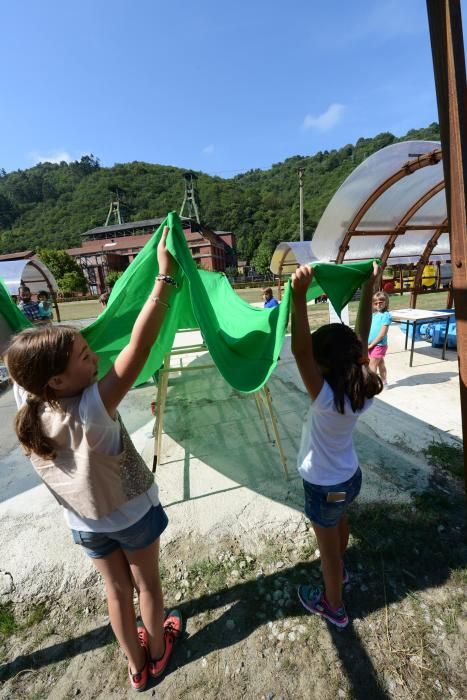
(139, 535)
(325, 513)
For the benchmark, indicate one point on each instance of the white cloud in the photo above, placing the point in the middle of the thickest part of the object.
(208, 150)
(327, 120)
(52, 157)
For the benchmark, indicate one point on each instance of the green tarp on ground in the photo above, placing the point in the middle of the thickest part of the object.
(244, 341)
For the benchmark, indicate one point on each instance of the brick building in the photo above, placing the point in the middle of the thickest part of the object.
(107, 248)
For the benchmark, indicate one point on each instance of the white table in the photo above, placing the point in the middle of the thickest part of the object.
(416, 317)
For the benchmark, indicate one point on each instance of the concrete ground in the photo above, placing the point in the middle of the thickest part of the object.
(219, 471)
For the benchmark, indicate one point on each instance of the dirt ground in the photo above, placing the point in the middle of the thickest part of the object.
(246, 636)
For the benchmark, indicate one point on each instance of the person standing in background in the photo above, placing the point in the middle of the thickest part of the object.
(29, 307)
(268, 298)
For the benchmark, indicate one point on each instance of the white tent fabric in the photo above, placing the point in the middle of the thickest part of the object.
(388, 209)
(288, 255)
(31, 272)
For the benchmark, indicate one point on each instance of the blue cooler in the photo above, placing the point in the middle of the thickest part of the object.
(419, 335)
(452, 336)
(439, 333)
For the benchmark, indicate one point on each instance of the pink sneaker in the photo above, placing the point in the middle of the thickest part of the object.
(313, 599)
(172, 631)
(139, 680)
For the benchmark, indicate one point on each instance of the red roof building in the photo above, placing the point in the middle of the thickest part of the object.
(107, 248)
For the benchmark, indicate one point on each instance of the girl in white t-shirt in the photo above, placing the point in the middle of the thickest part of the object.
(69, 426)
(334, 366)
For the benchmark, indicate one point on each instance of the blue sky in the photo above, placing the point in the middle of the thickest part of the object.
(212, 85)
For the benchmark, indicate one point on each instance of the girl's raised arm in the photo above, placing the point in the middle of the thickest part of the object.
(363, 322)
(129, 363)
(302, 343)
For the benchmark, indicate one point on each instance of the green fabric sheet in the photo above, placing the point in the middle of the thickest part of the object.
(244, 341)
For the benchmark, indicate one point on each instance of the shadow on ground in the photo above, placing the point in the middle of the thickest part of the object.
(421, 379)
(400, 550)
(223, 429)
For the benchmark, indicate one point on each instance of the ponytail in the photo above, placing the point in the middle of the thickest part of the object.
(28, 427)
(35, 356)
(362, 384)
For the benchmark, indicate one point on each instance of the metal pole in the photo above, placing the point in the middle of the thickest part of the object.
(300, 186)
(447, 49)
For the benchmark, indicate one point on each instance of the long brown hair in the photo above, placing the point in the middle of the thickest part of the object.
(35, 356)
(338, 351)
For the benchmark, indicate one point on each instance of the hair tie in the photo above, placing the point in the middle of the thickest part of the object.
(363, 361)
(31, 400)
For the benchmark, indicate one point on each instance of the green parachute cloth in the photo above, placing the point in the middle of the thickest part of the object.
(244, 342)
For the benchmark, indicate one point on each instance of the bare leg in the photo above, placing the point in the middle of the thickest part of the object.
(119, 589)
(144, 565)
(329, 544)
(382, 371)
(343, 527)
(374, 363)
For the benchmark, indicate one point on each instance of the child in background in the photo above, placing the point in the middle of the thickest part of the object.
(45, 307)
(269, 301)
(378, 338)
(335, 370)
(29, 307)
(104, 299)
(69, 426)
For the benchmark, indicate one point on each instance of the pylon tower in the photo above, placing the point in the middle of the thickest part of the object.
(114, 215)
(190, 198)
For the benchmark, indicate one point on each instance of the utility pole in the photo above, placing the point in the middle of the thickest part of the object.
(300, 186)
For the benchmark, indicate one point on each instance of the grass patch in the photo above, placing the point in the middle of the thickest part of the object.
(448, 457)
(7, 620)
(215, 574)
(75, 310)
(36, 615)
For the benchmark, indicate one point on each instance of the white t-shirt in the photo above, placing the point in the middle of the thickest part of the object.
(327, 455)
(103, 434)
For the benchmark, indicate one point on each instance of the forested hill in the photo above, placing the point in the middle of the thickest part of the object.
(50, 205)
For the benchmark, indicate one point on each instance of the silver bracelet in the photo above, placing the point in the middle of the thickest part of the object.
(167, 279)
(157, 300)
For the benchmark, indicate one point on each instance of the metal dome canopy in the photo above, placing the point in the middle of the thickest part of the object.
(29, 271)
(392, 206)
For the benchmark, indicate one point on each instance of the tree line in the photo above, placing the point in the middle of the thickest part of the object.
(51, 205)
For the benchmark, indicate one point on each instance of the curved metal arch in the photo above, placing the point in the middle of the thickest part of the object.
(49, 286)
(424, 258)
(410, 167)
(391, 242)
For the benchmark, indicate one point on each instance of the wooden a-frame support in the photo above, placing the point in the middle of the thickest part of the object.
(263, 400)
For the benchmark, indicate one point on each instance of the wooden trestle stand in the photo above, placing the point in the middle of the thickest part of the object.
(263, 400)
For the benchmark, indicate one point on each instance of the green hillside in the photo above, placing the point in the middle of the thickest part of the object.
(50, 205)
